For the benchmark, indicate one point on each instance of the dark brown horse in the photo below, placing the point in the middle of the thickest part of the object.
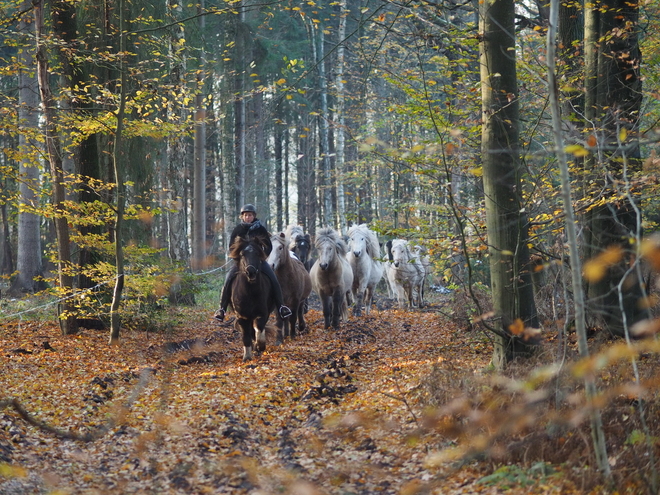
(296, 287)
(251, 294)
(300, 244)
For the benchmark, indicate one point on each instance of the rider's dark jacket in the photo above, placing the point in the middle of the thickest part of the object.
(250, 231)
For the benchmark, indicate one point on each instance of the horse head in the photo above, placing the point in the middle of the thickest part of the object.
(329, 247)
(357, 243)
(302, 247)
(280, 249)
(400, 252)
(250, 253)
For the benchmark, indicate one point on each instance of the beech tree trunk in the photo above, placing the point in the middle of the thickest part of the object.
(28, 262)
(68, 322)
(612, 111)
(511, 284)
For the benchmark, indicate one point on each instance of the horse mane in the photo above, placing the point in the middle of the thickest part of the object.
(373, 247)
(292, 233)
(241, 242)
(405, 244)
(280, 238)
(328, 234)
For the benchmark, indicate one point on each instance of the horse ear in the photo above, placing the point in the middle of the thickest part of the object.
(282, 235)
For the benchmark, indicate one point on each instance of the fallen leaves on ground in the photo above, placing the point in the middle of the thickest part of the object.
(328, 413)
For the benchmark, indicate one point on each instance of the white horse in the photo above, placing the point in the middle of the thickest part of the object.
(332, 276)
(424, 262)
(363, 253)
(405, 274)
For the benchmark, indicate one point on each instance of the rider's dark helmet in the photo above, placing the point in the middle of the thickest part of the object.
(249, 208)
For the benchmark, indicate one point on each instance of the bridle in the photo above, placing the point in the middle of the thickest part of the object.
(251, 271)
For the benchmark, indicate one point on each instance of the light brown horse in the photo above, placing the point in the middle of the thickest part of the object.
(296, 287)
(332, 276)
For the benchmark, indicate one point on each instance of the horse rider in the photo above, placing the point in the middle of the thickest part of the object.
(251, 227)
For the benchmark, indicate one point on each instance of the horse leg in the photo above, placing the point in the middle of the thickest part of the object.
(302, 326)
(368, 295)
(279, 323)
(248, 337)
(259, 326)
(357, 309)
(295, 305)
(327, 310)
(338, 306)
(287, 326)
(401, 296)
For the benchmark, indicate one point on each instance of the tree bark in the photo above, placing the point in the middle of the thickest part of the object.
(339, 118)
(117, 159)
(68, 322)
(28, 261)
(598, 433)
(507, 226)
(199, 176)
(612, 109)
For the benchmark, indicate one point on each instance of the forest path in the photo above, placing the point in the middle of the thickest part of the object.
(328, 413)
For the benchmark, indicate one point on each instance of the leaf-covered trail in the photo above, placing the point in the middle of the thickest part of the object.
(331, 412)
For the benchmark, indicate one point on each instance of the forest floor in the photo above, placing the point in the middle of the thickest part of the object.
(396, 402)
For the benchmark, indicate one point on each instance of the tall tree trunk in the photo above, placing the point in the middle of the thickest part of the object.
(199, 176)
(6, 252)
(261, 170)
(612, 109)
(280, 197)
(28, 262)
(598, 434)
(177, 219)
(511, 285)
(118, 163)
(339, 117)
(240, 112)
(324, 130)
(68, 322)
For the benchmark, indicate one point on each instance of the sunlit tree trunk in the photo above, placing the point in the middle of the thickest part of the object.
(324, 130)
(506, 223)
(68, 322)
(28, 262)
(118, 164)
(339, 118)
(240, 111)
(281, 200)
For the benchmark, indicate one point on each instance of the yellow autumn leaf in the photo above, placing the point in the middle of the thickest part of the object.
(9, 471)
(576, 150)
(595, 269)
(623, 134)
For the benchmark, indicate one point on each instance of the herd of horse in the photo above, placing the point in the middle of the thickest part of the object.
(344, 272)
